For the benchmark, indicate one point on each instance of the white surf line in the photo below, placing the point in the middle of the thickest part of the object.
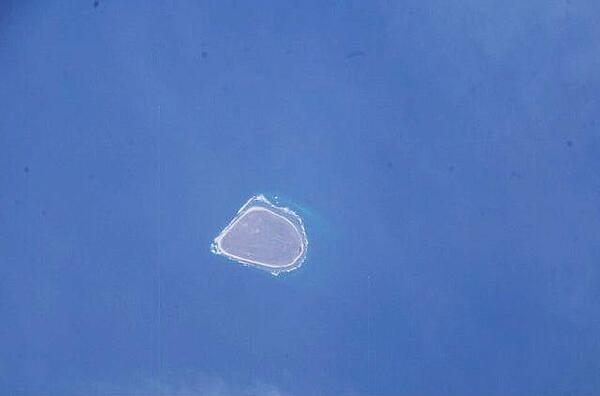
(218, 239)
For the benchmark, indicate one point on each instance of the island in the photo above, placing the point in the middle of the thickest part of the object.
(265, 236)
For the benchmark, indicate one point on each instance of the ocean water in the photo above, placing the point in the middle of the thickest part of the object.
(444, 157)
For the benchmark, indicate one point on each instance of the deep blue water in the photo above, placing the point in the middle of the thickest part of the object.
(445, 158)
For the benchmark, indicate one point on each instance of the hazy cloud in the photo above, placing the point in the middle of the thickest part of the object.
(196, 385)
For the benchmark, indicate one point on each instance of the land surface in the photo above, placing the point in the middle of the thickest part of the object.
(264, 238)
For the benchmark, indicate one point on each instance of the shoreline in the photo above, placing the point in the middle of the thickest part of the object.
(297, 224)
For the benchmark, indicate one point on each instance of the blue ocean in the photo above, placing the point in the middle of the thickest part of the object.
(443, 156)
